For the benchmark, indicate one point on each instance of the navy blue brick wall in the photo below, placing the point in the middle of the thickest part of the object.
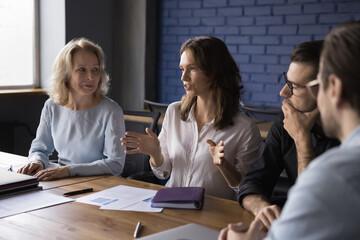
(260, 34)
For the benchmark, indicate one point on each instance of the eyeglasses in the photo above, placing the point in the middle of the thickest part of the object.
(313, 87)
(291, 84)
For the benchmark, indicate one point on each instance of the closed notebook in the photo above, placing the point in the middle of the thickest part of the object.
(12, 182)
(179, 197)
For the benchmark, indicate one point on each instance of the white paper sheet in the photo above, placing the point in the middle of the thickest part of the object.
(8, 160)
(15, 204)
(142, 206)
(122, 198)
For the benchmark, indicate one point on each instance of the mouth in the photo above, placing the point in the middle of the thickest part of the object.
(88, 85)
(186, 86)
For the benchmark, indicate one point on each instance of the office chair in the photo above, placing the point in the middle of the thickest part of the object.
(160, 107)
(260, 112)
(7, 134)
(155, 106)
(137, 165)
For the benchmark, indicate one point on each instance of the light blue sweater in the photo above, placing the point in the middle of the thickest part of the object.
(325, 201)
(87, 141)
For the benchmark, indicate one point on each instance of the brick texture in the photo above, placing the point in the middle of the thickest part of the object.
(260, 34)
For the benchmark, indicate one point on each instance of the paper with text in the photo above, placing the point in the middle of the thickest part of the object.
(121, 198)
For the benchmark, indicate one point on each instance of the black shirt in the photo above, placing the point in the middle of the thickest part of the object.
(277, 153)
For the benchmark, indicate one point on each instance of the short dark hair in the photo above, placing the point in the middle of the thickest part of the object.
(212, 56)
(341, 56)
(309, 53)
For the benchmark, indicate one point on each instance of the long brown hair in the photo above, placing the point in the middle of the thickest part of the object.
(213, 58)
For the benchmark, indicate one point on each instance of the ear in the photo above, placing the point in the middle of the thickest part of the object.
(336, 89)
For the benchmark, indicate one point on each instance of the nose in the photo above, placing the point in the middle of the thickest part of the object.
(89, 76)
(285, 92)
(184, 76)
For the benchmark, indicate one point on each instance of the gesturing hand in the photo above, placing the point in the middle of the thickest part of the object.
(217, 151)
(147, 144)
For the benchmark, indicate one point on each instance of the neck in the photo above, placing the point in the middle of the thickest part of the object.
(78, 103)
(349, 120)
(204, 109)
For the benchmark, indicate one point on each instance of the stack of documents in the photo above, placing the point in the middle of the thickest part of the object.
(123, 198)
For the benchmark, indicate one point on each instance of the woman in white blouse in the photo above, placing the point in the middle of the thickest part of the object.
(190, 148)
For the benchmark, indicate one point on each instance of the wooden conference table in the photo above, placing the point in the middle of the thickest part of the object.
(82, 221)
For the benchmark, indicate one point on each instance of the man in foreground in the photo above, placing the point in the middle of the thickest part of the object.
(325, 201)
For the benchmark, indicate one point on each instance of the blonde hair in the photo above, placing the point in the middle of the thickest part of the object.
(61, 71)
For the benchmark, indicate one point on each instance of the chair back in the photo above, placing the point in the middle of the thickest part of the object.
(260, 112)
(155, 106)
(137, 121)
(160, 107)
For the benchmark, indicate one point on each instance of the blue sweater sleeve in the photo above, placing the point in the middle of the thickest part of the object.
(43, 146)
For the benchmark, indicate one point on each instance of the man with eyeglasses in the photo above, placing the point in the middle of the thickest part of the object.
(293, 141)
(325, 201)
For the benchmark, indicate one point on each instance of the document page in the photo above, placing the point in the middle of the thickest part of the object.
(12, 162)
(121, 198)
(20, 203)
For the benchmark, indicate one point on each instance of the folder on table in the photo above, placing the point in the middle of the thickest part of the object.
(12, 182)
(179, 197)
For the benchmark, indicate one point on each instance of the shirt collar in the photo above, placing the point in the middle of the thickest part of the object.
(353, 139)
(191, 116)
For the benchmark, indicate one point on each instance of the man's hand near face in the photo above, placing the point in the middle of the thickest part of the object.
(298, 125)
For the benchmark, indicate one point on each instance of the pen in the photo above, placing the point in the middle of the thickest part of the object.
(137, 229)
(78, 192)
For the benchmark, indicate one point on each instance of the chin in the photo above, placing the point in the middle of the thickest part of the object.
(304, 109)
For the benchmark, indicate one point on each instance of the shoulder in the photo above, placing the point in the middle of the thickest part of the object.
(49, 103)
(173, 109)
(51, 106)
(243, 121)
(243, 127)
(342, 160)
(175, 106)
(334, 171)
(109, 105)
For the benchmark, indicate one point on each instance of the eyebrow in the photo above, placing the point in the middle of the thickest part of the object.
(84, 65)
(189, 65)
(294, 83)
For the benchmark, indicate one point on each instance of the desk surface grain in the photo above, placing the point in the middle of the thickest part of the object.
(81, 221)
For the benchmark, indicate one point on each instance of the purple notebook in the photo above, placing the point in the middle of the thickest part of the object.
(179, 197)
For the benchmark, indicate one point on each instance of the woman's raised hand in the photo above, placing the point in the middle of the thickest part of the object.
(142, 143)
(216, 151)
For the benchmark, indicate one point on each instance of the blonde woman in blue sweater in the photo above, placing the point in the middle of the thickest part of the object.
(78, 121)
